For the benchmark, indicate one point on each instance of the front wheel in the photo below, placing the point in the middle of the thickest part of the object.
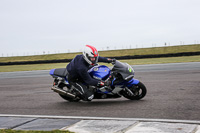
(138, 92)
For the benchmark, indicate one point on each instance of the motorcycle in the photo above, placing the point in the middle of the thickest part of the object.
(121, 77)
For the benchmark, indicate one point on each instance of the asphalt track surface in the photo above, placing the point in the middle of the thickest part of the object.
(172, 93)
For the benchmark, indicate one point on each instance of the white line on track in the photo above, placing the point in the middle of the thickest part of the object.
(105, 118)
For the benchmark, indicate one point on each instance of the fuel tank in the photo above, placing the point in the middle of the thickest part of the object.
(100, 72)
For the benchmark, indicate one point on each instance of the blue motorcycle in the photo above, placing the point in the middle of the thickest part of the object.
(121, 76)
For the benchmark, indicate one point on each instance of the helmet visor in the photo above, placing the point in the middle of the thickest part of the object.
(94, 60)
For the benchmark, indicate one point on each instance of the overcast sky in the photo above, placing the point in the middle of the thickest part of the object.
(34, 26)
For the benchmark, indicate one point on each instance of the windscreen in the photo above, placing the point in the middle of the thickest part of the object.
(123, 68)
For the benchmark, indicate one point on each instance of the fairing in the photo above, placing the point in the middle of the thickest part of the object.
(52, 72)
(125, 83)
(124, 69)
(100, 72)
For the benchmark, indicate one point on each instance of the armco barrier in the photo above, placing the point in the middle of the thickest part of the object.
(118, 58)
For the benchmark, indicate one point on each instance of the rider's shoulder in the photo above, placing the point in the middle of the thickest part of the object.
(78, 56)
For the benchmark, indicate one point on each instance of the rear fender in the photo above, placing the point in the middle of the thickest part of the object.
(52, 72)
(59, 78)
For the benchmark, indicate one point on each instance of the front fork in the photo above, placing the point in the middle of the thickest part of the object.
(131, 87)
(124, 85)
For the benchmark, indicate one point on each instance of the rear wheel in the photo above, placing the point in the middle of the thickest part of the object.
(65, 88)
(138, 92)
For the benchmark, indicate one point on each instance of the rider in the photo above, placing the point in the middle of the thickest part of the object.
(78, 72)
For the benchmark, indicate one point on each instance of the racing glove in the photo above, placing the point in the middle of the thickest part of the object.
(111, 60)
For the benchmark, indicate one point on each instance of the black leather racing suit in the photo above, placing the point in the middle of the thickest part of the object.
(78, 74)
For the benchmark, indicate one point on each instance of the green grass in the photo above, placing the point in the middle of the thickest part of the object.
(20, 131)
(163, 60)
(131, 62)
(149, 51)
(111, 53)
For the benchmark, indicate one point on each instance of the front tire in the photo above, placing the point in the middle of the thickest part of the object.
(138, 90)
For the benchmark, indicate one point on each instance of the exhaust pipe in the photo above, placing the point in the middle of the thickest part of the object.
(62, 92)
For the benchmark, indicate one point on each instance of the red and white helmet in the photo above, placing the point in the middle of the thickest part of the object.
(90, 54)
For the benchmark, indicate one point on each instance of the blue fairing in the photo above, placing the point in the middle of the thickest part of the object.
(100, 72)
(52, 72)
(132, 82)
(124, 83)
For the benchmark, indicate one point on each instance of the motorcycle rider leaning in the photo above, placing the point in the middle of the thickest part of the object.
(78, 72)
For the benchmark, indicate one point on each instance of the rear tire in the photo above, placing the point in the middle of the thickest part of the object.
(62, 86)
(138, 90)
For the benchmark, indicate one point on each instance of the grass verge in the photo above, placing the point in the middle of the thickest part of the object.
(110, 53)
(12, 68)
